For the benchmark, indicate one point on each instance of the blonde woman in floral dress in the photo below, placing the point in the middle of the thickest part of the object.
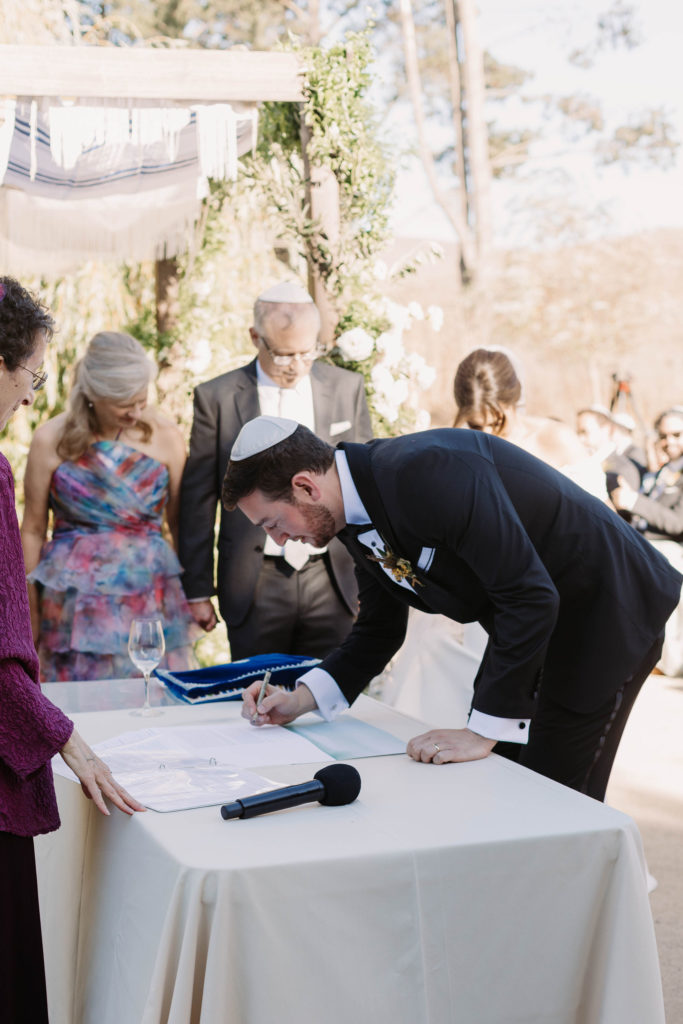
(108, 470)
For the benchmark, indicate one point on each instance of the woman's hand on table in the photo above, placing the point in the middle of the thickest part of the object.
(95, 777)
(441, 746)
(278, 707)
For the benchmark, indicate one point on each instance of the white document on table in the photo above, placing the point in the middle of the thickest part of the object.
(177, 767)
(185, 766)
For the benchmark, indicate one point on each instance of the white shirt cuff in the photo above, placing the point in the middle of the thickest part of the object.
(514, 730)
(329, 698)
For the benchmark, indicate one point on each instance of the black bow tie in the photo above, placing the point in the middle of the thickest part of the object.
(352, 530)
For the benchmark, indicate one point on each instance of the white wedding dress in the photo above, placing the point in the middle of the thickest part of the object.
(432, 674)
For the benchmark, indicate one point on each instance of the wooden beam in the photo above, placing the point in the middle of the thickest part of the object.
(322, 194)
(148, 73)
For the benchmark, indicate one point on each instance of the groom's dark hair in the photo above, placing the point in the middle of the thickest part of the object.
(271, 471)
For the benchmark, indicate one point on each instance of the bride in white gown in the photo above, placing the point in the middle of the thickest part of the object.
(431, 676)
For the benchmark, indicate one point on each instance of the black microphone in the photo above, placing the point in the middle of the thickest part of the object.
(333, 785)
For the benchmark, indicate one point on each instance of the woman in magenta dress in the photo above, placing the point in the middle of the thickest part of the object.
(32, 729)
(108, 470)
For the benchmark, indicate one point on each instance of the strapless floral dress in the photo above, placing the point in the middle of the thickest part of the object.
(107, 562)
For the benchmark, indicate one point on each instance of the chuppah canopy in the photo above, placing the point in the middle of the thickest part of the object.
(107, 152)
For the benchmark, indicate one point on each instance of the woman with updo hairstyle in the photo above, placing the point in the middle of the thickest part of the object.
(489, 395)
(107, 471)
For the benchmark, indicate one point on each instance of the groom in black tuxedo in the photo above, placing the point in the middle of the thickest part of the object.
(470, 526)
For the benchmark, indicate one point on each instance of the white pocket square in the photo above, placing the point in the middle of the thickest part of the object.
(426, 558)
(339, 428)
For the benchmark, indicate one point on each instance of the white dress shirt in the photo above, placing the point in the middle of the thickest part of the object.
(294, 404)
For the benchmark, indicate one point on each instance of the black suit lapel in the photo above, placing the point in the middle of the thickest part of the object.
(358, 456)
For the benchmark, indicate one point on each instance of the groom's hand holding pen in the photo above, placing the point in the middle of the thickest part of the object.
(261, 693)
(281, 706)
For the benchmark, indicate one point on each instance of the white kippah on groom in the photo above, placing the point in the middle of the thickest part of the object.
(260, 434)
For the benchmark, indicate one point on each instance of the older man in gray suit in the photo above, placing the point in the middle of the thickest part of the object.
(292, 599)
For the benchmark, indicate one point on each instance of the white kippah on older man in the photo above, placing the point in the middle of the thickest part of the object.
(285, 291)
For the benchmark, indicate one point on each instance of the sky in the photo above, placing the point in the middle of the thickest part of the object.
(538, 36)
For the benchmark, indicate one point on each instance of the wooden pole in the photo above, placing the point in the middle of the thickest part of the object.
(322, 196)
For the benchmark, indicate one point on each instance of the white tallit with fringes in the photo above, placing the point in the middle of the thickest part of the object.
(107, 180)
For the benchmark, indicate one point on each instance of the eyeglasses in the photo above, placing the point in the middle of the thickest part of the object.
(281, 360)
(39, 379)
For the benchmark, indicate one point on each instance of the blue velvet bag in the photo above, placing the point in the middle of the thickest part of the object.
(227, 682)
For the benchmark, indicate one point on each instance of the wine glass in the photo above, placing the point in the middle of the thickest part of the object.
(146, 649)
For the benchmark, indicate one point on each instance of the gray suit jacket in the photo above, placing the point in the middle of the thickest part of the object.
(221, 408)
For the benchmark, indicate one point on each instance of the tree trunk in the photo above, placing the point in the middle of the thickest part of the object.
(166, 284)
(454, 208)
(171, 363)
(475, 132)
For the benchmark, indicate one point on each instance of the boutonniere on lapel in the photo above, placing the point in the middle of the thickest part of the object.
(400, 568)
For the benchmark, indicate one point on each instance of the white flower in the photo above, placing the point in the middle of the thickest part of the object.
(387, 410)
(415, 310)
(435, 317)
(399, 392)
(380, 270)
(387, 387)
(399, 316)
(202, 289)
(390, 344)
(382, 379)
(421, 371)
(422, 420)
(201, 357)
(355, 344)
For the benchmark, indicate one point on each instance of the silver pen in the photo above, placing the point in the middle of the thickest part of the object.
(262, 691)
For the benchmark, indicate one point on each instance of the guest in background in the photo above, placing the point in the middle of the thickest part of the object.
(608, 437)
(489, 395)
(32, 729)
(107, 468)
(656, 511)
(594, 428)
(623, 431)
(290, 599)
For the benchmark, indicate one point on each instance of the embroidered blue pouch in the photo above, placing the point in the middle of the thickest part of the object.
(226, 682)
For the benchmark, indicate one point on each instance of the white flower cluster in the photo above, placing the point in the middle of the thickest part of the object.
(396, 374)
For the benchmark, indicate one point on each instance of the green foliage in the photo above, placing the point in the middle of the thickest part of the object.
(344, 138)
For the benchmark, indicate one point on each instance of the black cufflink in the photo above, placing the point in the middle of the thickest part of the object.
(522, 725)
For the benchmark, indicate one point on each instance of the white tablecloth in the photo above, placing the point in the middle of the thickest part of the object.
(477, 893)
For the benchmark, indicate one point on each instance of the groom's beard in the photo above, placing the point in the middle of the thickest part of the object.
(319, 523)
